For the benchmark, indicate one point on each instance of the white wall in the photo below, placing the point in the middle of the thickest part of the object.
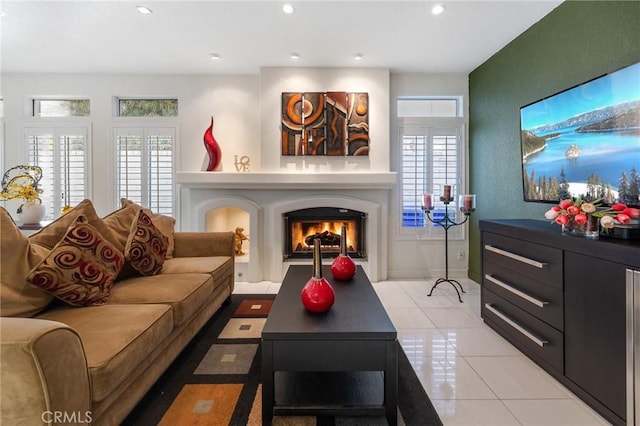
(232, 101)
(247, 120)
(374, 81)
(423, 258)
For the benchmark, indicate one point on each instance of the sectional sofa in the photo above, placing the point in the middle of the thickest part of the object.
(82, 342)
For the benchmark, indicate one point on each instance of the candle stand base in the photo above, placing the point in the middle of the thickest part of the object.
(447, 222)
(453, 284)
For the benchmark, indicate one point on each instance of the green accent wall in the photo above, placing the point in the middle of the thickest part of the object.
(576, 42)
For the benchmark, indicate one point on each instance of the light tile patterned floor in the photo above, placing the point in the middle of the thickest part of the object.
(472, 375)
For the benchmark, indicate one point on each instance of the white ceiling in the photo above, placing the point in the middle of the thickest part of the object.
(178, 38)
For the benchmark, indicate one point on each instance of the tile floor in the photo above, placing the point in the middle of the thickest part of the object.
(472, 375)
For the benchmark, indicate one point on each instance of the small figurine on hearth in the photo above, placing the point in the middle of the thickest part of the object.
(239, 238)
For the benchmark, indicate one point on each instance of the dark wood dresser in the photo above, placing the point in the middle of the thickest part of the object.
(562, 300)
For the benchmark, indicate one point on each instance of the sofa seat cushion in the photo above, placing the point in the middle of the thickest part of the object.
(186, 293)
(117, 339)
(217, 266)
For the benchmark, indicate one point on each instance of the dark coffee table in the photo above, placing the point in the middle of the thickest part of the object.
(341, 362)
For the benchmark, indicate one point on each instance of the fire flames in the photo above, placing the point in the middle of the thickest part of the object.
(303, 233)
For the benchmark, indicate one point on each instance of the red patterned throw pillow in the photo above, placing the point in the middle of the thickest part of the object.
(146, 248)
(81, 268)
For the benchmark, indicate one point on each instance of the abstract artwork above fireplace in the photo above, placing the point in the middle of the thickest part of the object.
(325, 123)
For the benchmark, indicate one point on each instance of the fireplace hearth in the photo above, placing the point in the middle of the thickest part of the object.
(301, 227)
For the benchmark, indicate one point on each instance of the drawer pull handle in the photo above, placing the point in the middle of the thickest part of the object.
(517, 257)
(539, 303)
(518, 327)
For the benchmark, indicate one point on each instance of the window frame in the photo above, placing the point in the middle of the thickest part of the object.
(56, 126)
(32, 107)
(145, 124)
(424, 126)
(116, 107)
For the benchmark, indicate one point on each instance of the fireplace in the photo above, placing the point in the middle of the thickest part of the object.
(301, 227)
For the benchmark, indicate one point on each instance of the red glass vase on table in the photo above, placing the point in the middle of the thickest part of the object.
(343, 267)
(317, 295)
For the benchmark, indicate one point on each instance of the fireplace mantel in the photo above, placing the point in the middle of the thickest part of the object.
(267, 196)
(288, 180)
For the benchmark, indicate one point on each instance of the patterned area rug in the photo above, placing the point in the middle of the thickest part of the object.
(216, 379)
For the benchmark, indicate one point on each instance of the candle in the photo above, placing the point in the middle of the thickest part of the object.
(467, 202)
(447, 193)
(427, 201)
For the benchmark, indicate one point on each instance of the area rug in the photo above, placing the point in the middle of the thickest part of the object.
(216, 379)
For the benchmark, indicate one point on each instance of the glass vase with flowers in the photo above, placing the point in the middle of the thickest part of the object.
(21, 183)
(580, 217)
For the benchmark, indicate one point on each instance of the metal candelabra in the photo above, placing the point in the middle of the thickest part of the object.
(446, 222)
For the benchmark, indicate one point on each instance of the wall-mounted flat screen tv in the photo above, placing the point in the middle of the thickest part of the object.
(584, 141)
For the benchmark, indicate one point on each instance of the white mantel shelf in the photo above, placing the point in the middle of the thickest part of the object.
(290, 180)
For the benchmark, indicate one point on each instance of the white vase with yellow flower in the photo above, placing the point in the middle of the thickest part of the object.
(21, 183)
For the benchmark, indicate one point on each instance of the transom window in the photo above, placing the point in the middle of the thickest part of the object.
(147, 107)
(429, 107)
(61, 108)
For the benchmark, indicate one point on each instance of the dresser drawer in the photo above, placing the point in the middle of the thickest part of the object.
(536, 298)
(538, 262)
(531, 335)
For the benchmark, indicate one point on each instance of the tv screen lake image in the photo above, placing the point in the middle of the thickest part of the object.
(585, 138)
(605, 155)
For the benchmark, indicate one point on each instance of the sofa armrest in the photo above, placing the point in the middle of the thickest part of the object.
(198, 244)
(43, 373)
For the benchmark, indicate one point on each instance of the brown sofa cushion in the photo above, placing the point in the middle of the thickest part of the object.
(186, 293)
(81, 268)
(50, 235)
(216, 266)
(146, 246)
(18, 297)
(115, 351)
(120, 222)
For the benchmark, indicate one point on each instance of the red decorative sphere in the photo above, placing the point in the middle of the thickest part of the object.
(318, 295)
(343, 268)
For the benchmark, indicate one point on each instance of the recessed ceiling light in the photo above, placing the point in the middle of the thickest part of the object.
(2, 13)
(437, 9)
(295, 55)
(288, 9)
(358, 56)
(144, 10)
(214, 56)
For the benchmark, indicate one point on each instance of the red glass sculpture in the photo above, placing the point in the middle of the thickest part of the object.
(213, 149)
(317, 295)
(343, 267)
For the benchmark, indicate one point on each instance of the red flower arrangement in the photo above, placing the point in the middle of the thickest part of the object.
(578, 211)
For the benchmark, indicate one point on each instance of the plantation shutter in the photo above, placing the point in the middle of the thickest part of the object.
(429, 160)
(160, 173)
(414, 181)
(145, 167)
(62, 155)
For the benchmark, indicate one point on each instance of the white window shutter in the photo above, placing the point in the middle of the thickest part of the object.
(429, 160)
(62, 153)
(145, 167)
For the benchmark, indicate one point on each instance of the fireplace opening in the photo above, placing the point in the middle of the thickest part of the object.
(303, 226)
